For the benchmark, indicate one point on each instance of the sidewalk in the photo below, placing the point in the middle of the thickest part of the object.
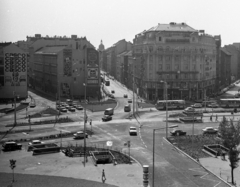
(221, 168)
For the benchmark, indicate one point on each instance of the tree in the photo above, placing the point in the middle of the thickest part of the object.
(230, 134)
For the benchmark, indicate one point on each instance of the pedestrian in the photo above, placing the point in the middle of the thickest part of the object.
(103, 176)
(211, 118)
(216, 117)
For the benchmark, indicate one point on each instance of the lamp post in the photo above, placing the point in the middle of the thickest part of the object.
(166, 98)
(85, 98)
(153, 167)
(134, 60)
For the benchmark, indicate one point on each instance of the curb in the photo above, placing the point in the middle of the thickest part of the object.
(197, 162)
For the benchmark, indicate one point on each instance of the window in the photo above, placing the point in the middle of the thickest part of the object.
(160, 67)
(160, 58)
(150, 67)
(1, 70)
(168, 67)
(186, 66)
(1, 60)
(194, 66)
(160, 39)
(168, 58)
(186, 76)
(176, 67)
(177, 58)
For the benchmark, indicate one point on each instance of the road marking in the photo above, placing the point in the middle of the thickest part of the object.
(61, 130)
(204, 174)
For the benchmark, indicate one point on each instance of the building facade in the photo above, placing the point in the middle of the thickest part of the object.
(13, 72)
(183, 57)
(235, 61)
(62, 67)
(225, 69)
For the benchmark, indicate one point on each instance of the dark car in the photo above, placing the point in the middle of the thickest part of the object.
(107, 118)
(210, 130)
(11, 146)
(178, 132)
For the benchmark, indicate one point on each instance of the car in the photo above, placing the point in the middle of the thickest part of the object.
(133, 131)
(209, 130)
(79, 107)
(125, 95)
(197, 105)
(80, 135)
(111, 96)
(107, 118)
(237, 95)
(63, 109)
(189, 109)
(129, 100)
(32, 143)
(32, 105)
(113, 91)
(11, 146)
(72, 109)
(178, 132)
(213, 105)
(67, 106)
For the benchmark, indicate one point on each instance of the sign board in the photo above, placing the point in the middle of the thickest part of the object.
(93, 71)
(109, 143)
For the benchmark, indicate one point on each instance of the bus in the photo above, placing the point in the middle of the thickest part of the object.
(107, 83)
(229, 103)
(109, 111)
(172, 104)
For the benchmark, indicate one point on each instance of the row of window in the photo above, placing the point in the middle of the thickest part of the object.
(174, 76)
(178, 58)
(175, 67)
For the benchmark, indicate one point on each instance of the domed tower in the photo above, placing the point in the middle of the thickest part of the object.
(101, 47)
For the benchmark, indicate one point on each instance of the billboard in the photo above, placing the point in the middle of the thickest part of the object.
(93, 72)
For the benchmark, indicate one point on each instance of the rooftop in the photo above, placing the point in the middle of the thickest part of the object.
(50, 49)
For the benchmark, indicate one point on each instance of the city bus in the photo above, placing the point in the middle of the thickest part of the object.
(229, 103)
(172, 104)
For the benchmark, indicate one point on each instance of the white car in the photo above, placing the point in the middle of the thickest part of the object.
(80, 135)
(189, 109)
(133, 131)
(34, 142)
(197, 105)
(209, 130)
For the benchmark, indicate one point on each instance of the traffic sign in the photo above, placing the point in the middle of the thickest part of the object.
(109, 143)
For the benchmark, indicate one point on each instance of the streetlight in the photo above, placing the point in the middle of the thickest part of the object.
(166, 98)
(153, 169)
(133, 65)
(85, 89)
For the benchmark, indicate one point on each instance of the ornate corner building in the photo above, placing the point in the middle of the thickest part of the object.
(176, 53)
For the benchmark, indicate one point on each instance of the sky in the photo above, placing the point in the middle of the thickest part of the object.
(114, 20)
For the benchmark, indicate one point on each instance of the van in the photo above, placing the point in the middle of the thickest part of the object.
(109, 111)
(127, 108)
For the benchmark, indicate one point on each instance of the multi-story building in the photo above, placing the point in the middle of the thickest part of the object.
(183, 57)
(13, 72)
(112, 53)
(225, 68)
(235, 61)
(101, 50)
(63, 66)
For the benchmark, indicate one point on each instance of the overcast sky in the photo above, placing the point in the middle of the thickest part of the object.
(113, 20)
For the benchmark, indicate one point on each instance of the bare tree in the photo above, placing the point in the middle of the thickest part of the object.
(230, 134)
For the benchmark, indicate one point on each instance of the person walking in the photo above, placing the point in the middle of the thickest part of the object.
(216, 117)
(103, 176)
(211, 118)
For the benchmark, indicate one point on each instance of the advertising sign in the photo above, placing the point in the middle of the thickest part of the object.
(92, 67)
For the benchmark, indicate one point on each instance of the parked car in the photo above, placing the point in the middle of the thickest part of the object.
(209, 130)
(32, 105)
(79, 107)
(11, 146)
(63, 109)
(189, 109)
(111, 96)
(107, 118)
(213, 105)
(197, 105)
(32, 143)
(129, 100)
(125, 95)
(113, 91)
(133, 131)
(178, 132)
(80, 135)
(71, 109)
(67, 106)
